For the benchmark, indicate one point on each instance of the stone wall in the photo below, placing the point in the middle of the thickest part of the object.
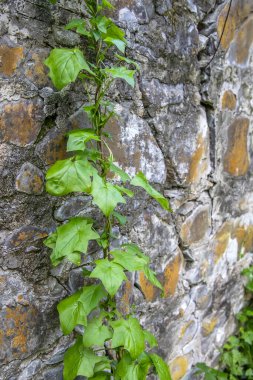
(187, 126)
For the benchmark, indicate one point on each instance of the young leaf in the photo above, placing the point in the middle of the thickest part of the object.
(111, 274)
(96, 333)
(71, 175)
(133, 370)
(141, 181)
(107, 4)
(80, 361)
(150, 339)
(79, 25)
(151, 276)
(105, 195)
(129, 61)
(100, 376)
(128, 334)
(124, 190)
(115, 36)
(161, 367)
(72, 313)
(65, 65)
(128, 260)
(73, 237)
(122, 73)
(121, 218)
(121, 173)
(73, 310)
(77, 139)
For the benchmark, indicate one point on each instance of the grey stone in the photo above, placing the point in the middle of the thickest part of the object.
(54, 374)
(161, 94)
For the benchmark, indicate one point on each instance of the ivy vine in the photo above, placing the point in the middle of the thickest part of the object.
(112, 345)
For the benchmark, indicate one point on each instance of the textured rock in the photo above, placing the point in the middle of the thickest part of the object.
(30, 179)
(196, 226)
(10, 57)
(228, 100)
(236, 159)
(187, 128)
(20, 122)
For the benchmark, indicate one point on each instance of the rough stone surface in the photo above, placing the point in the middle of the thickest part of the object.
(186, 125)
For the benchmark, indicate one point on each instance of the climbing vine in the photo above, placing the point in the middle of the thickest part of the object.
(112, 345)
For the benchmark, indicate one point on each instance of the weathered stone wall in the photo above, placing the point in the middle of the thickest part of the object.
(187, 126)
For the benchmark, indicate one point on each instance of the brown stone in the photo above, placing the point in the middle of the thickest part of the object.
(209, 325)
(236, 159)
(228, 100)
(240, 10)
(221, 239)
(198, 162)
(24, 236)
(150, 292)
(20, 122)
(30, 179)
(53, 146)
(17, 324)
(125, 299)
(179, 367)
(37, 71)
(243, 42)
(9, 59)
(244, 236)
(195, 227)
(171, 275)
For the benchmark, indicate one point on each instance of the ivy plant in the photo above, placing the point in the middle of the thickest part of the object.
(236, 359)
(112, 345)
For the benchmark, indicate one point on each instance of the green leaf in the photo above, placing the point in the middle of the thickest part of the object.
(132, 370)
(105, 195)
(100, 376)
(141, 181)
(80, 361)
(51, 240)
(150, 339)
(161, 367)
(121, 173)
(77, 139)
(71, 175)
(129, 61)
(121, 218)
(151, 276)
(73, 310)
(115, 36)
(107, 4)
(96, 333)
(128, 260)
(53, 1)
(135, 250)
(111, 274)
(65, 65)
(122, 73)
(79, 25)
(128, 334)
(101, 23)
(124, 190)
(72, 313)
(73, 238)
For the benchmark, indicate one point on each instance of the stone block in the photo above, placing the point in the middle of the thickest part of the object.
(179, 367)
(228, 100)
(196, 226)
(236, 159)
(20, 122)
(30, 179)
(10, 57)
